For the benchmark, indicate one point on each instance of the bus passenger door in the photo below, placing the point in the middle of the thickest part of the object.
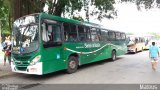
(52, 42)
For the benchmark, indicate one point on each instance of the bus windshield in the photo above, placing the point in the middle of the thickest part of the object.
(51, 34)
(131, 40)
(25, 35)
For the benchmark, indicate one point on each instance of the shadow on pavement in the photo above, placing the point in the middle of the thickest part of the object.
(63, 72)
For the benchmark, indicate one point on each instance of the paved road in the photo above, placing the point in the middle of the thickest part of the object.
(1, 58)
(128, 69)
(1, 54)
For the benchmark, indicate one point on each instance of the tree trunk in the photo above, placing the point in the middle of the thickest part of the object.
(10, 22)
(25, 7)
(59, 7)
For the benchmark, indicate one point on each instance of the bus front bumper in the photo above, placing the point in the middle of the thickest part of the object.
(130, 50)
(146, 47)
(34, 69)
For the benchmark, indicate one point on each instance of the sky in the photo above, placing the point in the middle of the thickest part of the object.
(129, 19)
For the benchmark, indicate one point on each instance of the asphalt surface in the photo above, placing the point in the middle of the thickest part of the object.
(127, 69)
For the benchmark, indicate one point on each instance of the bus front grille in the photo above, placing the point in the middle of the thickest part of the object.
(20, 63)
(24, 58)
(22, 68)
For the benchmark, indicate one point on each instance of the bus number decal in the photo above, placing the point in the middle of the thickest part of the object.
(91, 45)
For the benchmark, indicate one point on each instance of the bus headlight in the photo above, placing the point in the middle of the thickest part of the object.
(35, 60)
(12, 61)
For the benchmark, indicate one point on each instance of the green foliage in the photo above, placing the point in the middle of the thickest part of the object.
(129, 33)
(103, 6)
(97, 8)
(57, 7)
(13, 9)
(147, 4)
(79, 18)
(156, 35)
(4, 16)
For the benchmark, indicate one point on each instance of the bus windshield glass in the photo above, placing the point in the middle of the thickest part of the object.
(25, 35)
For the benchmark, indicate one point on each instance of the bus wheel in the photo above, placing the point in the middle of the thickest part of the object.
(136, 51)
(72, 65)
(142, 48)
(113, 55)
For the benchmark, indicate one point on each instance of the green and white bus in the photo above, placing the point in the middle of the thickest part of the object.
(44, 43)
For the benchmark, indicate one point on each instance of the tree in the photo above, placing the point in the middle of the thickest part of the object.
(156, 35)
(101, 8)
(5, 19)
(3, 14)
(98, 8)
(24, 7)
(13, 9)
(147, 4)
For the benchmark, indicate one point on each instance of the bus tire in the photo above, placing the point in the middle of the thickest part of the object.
(135, 51)
(114, 57)
(72, 64)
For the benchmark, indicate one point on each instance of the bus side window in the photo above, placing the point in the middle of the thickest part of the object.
(104, 35)
(111, 35)
(65, 36)
(99, 34)
(118, 36)
(73, 33)
(88, 34)
(45, 38)
(66, 31)
(136, 40)
(70, 32)
(71, 38)
(94, 34)
(123, 36)
(56, 33)
(51, 34)
(47, 35)
(81, 32)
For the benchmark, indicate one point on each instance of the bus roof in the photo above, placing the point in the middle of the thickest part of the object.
(61, 19)
(69, 20)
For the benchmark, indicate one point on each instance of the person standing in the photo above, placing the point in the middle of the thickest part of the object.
(7, 52)
(154, 54)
